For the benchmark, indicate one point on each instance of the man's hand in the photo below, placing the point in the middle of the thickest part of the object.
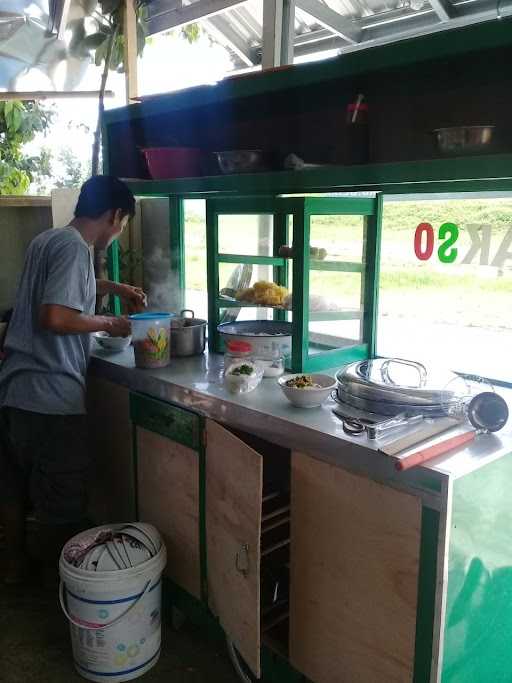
(134, 297)
(136, 300)
(117, 326)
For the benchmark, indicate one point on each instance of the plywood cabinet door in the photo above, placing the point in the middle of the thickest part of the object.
(234, 479)
(354, 576)
(168, 497)
(110, 440)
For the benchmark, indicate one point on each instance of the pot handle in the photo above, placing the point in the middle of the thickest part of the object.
(422, 370)
(187, 310)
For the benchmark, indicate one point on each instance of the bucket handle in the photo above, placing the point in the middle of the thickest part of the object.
(101, 627)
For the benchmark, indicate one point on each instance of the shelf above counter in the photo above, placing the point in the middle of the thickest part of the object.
(455, 174)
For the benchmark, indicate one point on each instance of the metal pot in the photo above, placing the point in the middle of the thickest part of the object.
(188, 334)
(240, 160)
(464, 139)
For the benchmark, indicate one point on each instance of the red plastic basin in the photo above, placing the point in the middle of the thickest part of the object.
(173, 162)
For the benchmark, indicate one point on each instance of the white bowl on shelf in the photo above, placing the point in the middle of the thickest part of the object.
(309, 397)
(109, 343)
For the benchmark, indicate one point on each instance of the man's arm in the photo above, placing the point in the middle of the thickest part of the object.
(63, 320)
(133, 296)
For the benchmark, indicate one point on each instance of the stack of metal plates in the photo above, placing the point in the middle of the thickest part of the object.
(389, 386)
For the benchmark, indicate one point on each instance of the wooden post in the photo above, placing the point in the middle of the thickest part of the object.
(130, 50)
(29, 96)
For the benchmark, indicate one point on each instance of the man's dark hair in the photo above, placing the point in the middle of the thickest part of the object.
(104, 193)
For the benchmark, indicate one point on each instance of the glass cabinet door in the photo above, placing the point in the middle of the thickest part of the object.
(308, 260)
(336, 282)
(334, 304)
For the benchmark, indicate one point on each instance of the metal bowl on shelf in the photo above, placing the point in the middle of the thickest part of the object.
(464, 139)
(268, 338)
(240, 160)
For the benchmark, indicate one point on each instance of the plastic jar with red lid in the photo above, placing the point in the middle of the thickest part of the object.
(237, 351)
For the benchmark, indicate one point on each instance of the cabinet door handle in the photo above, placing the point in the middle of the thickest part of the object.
(242, 560)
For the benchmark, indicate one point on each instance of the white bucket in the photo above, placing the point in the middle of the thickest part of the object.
(114, 616)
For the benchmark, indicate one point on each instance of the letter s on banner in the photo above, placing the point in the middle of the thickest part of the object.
(423, 254)
(447, 252)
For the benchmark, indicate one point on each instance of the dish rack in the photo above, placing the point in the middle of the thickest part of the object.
(275, 566)
(321, 337)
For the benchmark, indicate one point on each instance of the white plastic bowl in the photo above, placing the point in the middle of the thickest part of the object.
(112, 343)
(309, 397)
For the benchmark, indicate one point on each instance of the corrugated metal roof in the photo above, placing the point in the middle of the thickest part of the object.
(322, 25)
(26, 38)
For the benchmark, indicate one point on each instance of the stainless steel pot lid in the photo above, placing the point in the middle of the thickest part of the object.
(404, 382)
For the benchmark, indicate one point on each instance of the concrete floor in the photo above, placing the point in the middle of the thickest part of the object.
(35, 646)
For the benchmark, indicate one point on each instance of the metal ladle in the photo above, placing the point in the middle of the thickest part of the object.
(487, 411)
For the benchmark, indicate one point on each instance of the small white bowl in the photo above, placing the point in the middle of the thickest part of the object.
(112, 343)
(309, 397)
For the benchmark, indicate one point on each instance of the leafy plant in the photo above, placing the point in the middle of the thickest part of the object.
(19, 123)
(106, 46)
(129, 261)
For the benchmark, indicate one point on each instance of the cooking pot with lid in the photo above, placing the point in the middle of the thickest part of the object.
(389, 386)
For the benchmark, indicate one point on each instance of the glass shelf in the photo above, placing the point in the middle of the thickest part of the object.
(314, 316)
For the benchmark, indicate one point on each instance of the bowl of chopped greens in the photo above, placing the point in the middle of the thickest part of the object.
(305, 390)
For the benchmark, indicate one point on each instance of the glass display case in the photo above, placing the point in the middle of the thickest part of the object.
(312, 261)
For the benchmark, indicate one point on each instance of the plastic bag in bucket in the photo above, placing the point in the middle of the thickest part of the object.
(115, 616)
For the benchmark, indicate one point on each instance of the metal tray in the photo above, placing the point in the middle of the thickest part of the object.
(390, 408)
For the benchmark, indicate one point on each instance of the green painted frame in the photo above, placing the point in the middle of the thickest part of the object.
(177, 242)
(113, 270)
(301, 209)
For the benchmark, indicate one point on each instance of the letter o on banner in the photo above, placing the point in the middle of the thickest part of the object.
(424, 251)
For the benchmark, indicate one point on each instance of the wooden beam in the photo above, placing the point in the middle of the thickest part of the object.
(130, 50)
(14, 201)
(51, 94)
(188, 13)
(327, 17)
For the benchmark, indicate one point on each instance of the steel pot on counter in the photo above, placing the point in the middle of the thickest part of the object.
(188, 334)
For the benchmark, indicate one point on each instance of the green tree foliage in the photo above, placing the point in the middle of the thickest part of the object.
(19, 123)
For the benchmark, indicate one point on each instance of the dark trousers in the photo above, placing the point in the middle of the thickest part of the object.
(44, 460)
